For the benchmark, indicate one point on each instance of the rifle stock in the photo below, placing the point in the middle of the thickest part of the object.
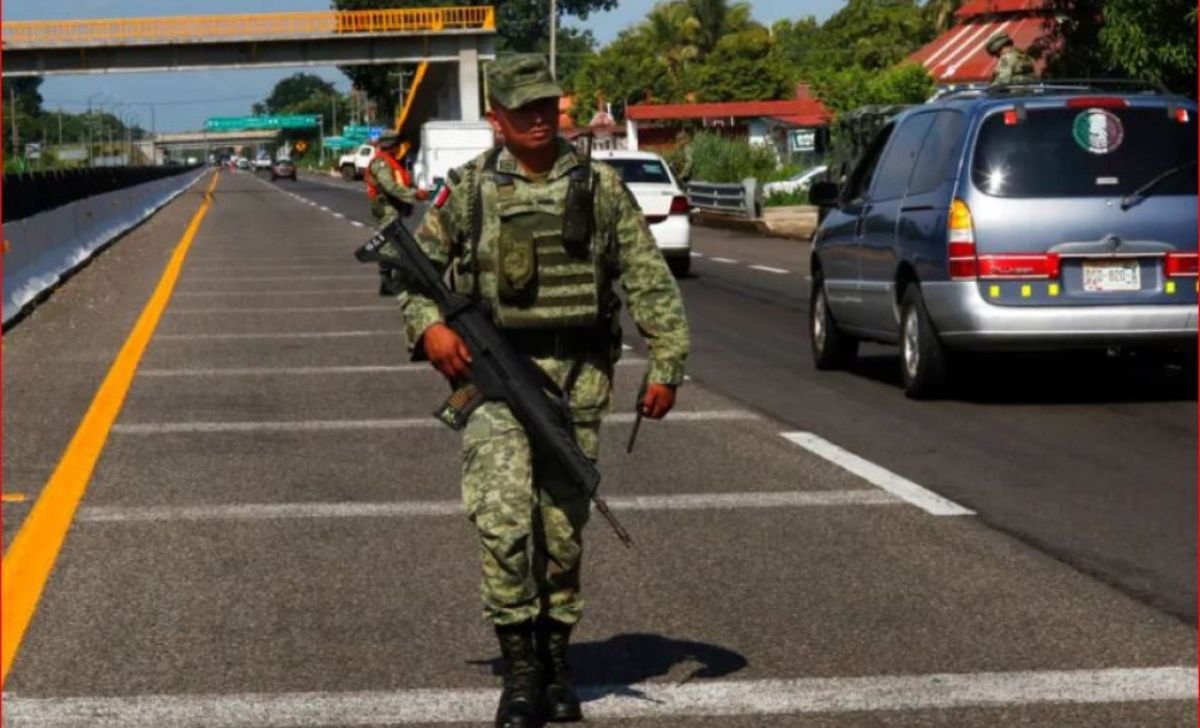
(498, 371)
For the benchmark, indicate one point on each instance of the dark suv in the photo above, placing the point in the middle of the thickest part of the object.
(1045, 217)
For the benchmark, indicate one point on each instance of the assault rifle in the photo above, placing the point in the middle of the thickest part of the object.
(497, 371)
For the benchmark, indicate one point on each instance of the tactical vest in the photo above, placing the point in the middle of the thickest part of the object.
(520, 264)
(398, 170)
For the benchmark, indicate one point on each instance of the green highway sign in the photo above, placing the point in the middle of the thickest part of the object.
(262, 123)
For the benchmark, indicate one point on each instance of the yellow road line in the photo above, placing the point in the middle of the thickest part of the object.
(13, 498)
(34, 550)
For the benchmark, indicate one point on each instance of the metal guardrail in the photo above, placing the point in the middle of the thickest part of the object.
(206, 28)
(743, 199)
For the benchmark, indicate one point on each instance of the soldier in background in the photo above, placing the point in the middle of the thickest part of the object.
(391, 192)
(389, 184)
(509, 226)
(1013, 66)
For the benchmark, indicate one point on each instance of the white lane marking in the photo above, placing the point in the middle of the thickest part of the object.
(626, 347)
(301, 371)
(406, 509)
(699, 698)
(723, 260)
(898, 486)
(404, 423)
(278, 335)
(312, 309)
(769, 269)
(322, 208)
(366, 275)
(694, 254)
(357, 224)
(315, 293)
(339, 216)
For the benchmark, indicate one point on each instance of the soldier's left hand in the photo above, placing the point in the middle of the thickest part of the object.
(659, 400)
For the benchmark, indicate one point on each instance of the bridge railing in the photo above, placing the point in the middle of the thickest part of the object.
(206, 28)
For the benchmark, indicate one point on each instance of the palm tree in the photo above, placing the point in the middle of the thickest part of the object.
(671, 31)
(717, 18)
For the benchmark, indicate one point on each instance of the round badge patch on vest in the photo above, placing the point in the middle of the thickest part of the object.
(1098, 131)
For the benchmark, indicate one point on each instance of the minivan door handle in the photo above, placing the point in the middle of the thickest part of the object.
(862, 221)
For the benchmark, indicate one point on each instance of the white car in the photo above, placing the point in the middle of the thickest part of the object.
(662, 202)
(795, 183)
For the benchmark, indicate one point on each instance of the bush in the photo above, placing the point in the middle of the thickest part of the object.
(727, 160)
(786, 199)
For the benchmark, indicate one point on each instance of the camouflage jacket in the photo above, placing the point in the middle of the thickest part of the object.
(622, 245)
(1014, 67)
(394, 200)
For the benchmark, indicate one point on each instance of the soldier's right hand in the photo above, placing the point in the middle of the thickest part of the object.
(447, 351)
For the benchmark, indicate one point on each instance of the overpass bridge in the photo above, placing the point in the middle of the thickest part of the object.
(453, 35)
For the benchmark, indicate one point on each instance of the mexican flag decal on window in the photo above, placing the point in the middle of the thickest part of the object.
(1098, 131)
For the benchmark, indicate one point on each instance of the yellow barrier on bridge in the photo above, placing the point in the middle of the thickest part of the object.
(256, 26)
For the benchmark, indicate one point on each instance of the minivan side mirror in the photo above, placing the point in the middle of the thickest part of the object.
(823, 194)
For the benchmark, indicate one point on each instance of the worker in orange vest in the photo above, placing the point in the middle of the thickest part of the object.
(389, 184)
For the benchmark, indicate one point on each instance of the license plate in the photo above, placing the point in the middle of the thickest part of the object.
(1104, 276)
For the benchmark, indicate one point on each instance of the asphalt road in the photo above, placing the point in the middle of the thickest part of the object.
(271, 537)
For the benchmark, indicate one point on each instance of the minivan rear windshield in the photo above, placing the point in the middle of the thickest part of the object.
(645, 171)
(1083, 152)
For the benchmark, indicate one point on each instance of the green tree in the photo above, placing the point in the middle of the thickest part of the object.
(740, 69)
(296, 89)
(1154, 41)
(849, 88)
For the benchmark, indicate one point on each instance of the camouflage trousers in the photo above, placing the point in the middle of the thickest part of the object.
(529, 517)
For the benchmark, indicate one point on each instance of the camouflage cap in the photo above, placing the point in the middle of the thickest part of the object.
(516, 80)
(997, 42)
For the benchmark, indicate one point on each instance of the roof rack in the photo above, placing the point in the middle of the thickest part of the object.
(1055, 86)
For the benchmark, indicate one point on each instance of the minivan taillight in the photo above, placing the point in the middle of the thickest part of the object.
(1180, 264)
(680, 205)
(961, 238)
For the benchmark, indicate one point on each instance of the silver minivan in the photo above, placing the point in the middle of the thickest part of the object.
(1039, 217)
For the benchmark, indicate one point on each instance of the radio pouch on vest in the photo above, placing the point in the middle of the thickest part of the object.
(579, 208)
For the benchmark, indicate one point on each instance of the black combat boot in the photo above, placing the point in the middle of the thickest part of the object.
(561, 702)
(520, 703)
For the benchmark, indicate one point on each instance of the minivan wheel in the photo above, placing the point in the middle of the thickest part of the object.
(831, 348)
(924, 367)
(348, 172)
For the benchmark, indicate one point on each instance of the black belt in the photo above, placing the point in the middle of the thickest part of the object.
(575, 343)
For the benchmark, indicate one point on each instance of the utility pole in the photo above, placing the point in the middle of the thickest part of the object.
(553, 38)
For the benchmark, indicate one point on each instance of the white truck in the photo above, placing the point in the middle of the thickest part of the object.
(354, 165)
(449, 144)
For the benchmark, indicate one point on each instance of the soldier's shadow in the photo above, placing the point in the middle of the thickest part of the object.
(613, 666)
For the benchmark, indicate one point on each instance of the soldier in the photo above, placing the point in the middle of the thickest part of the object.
(389, 185)
(390, 190)
(683, 142)
(509, 223)
(1013, 66)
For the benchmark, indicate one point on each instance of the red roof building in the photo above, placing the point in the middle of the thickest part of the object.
(795, 112)
(960, 55)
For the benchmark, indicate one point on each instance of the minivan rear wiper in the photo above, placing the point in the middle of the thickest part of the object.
(1140, 193)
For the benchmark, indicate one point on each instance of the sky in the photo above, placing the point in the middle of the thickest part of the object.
(183, 100)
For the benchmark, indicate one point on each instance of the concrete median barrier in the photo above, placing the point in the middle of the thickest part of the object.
(44, 247)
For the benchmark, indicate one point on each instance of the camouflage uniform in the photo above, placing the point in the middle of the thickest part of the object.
(528, 515)
(395, 200)
(1013, 66)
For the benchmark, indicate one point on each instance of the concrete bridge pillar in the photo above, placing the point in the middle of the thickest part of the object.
(468, 83)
